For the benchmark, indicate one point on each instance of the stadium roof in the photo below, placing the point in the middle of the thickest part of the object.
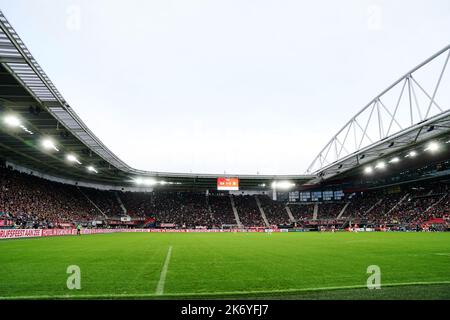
(26, 92)
(414, 109)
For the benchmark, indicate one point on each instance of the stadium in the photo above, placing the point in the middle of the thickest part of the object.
(368, 219)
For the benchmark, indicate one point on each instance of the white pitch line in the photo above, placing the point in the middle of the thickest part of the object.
(162, 277)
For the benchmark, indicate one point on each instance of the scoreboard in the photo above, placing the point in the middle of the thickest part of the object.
(228, 184)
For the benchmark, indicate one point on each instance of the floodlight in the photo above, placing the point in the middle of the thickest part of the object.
(145, 181)
(394, 160)
(12, 121)
(49, 144)
(149, 182)
(282, 185)
(72, 158)
(412, 154)
(380, 165)
(368, 170)
(92, 169)
(432, 147)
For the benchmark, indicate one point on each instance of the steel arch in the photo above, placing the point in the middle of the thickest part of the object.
(354, 135)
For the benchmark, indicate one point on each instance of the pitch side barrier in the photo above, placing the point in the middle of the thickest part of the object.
(36, 233)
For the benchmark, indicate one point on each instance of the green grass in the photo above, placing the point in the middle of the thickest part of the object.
(231, 265)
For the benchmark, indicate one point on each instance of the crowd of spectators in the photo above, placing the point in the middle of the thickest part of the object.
(137, 204)
(382, 209)
(362, 203)
(183, 209)
(411, 207)
(106, 201)
(302, 211)
(330, 210)
(221, 209)
(420, 206)
(441, 208)
(275, 211)
(32, 202)
(248, 211)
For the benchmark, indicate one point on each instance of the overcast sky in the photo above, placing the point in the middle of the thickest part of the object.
(230, 86)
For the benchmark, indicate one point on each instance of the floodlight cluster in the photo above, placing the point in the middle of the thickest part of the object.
(48, 144)
(431, 147)
(149, 182)
(282, 185)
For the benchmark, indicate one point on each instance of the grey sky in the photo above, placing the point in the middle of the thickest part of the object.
(213, 86)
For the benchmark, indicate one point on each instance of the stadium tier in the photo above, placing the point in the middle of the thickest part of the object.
(27, 201)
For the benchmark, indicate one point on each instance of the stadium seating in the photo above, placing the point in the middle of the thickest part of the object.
(35, 202)
(275, 211)
(248, 211)
(32, 202)
(302, 212)
(330, 210)
(221, 209)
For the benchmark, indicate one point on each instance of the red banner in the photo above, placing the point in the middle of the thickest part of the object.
(58, 232)
(4, 223)
(29, 233)
(19, 233)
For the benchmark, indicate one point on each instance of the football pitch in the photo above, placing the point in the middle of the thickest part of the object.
(227, 265)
